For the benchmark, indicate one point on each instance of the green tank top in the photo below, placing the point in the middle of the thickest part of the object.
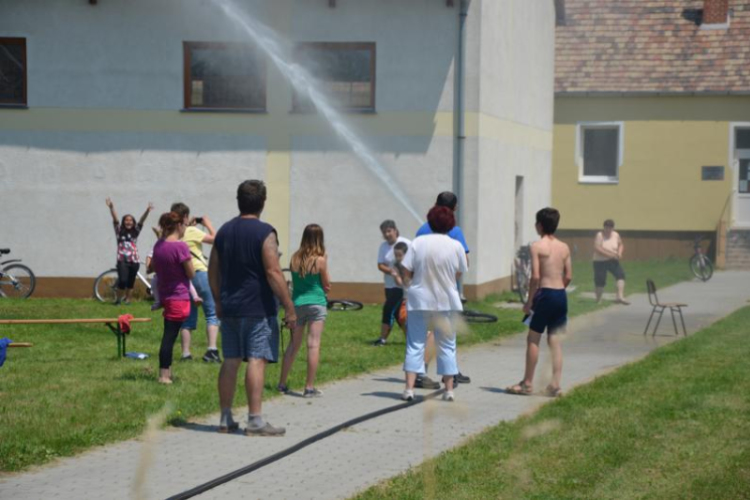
(308, 290)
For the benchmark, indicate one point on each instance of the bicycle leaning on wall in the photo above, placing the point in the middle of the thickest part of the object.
(700, 264)
(105, 286)
(16, 280)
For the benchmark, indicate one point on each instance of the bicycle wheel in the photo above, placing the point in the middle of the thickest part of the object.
(706, 268)
(105, 286)
(478, 317)
(344, 305)
(17, 282)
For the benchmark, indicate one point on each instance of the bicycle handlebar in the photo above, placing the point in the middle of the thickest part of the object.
(3, 251)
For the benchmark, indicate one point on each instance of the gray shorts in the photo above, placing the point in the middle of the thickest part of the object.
(246, 338)
(310, 313)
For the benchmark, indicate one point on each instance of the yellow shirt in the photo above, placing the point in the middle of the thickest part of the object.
(194, 239)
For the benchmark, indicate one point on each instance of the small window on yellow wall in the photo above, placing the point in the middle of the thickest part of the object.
(599, 152)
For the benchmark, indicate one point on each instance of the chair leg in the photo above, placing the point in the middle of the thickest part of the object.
(674, 322)
(682, 319)
(649, 320)
(658, 321)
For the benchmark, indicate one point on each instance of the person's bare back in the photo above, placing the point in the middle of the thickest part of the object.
(555, 269)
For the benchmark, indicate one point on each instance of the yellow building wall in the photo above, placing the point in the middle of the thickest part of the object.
(666, 142)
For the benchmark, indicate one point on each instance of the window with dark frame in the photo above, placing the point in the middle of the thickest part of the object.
(346, 70)
(13, 71)
(601, 152)
(224, 76)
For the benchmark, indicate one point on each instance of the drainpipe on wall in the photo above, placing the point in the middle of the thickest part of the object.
(458, 111)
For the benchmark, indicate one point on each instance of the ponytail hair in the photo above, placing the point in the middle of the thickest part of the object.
(169, 221)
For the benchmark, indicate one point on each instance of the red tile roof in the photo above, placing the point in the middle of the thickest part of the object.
(636, 46)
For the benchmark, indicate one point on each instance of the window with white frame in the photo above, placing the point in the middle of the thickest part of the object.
(599, 152)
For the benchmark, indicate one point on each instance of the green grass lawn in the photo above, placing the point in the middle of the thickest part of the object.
(69, 392)
(672, 426)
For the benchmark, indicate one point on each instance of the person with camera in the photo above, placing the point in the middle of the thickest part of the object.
(195, 237)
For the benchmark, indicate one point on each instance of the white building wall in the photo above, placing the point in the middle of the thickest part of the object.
(514, 40)
(110, 77)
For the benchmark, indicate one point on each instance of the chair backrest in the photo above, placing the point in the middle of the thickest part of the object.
(652, 298)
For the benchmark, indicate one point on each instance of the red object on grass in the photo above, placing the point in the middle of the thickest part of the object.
(123, 321)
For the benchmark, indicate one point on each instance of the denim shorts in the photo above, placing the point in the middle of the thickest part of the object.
(200, 282)
(246, 338)
(309, 313)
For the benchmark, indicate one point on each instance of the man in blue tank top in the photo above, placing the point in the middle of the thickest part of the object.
(245, 275)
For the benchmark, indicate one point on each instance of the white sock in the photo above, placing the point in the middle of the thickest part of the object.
(255, 420)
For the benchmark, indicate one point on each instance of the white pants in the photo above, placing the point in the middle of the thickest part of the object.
(442, 323)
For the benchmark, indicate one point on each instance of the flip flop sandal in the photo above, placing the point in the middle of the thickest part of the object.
(552, 392)
(520, 389)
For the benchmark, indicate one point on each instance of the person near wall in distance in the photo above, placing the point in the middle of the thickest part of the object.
(127, 232)
(608, 250)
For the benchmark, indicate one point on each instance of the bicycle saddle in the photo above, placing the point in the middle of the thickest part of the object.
(4, 251)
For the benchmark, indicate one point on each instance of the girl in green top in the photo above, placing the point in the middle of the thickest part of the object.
(310, 283)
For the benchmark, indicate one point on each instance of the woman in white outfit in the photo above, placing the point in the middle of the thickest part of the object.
(434, 263)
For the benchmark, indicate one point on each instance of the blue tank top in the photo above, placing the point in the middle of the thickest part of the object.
(245, 291)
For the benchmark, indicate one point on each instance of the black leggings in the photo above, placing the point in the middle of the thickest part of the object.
(126, 272)
(171, 331)
(393, 298)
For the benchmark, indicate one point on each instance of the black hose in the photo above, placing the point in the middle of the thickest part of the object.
(295, 448)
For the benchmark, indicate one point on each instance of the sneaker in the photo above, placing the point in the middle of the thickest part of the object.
(266, 430)
(282, 388)
(425, 382)
(156, 306)
(380, 342)
(461, 379)
(312, 393)
(212, 356)
(408, 395)
(186, 357)
(448, 396)
(125, 302)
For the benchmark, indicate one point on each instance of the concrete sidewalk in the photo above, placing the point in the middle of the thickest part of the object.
(174, 460)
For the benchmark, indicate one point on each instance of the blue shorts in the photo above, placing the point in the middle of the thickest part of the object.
(550, 308)
(246, 338)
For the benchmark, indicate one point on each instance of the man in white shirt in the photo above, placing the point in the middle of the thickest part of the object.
(394, 293)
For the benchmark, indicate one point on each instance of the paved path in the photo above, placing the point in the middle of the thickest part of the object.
(175, 460)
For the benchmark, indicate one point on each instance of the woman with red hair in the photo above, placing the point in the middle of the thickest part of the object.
(434, 263)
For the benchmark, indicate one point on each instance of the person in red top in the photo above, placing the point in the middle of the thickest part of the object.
(127, 232)
(174, 265)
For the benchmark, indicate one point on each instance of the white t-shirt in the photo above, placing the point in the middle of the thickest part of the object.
(434, 259)
(385, 256)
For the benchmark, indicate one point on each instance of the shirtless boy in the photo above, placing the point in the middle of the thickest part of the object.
(551, 273)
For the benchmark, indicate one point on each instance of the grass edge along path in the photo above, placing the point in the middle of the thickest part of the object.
(672, 425)
(68, 394)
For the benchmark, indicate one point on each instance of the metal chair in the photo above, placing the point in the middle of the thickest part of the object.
(660, 308)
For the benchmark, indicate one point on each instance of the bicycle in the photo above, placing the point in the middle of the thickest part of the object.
(700, 264)
(105, 285)
(522, 272)
(343, 305)
(16, 280)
